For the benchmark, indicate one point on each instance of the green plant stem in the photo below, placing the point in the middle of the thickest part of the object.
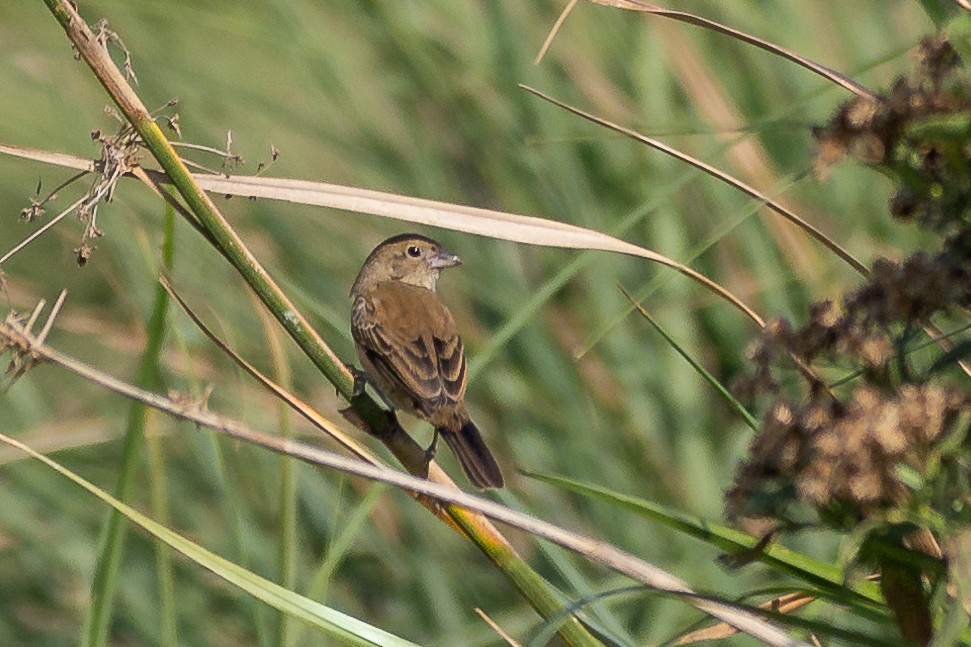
(536, 589)
(168, 614)
(98, 620)
(287, 551)
(200, 204)
(158, 487)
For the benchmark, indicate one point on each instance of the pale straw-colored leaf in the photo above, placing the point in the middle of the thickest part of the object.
(502, 225)
(54, 159)
(553, 31)
(783, 604)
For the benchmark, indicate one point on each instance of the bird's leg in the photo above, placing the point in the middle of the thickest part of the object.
(433, 448)
(361, 382)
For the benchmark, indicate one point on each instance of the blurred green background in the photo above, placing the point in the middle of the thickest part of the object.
(421, 98)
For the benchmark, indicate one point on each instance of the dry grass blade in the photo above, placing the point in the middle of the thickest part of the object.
(473, 220)
(748, 190)
(553, 31)
(40, 232)
(518, 228)
(783, 604)
(512, 642)
(55, 309)
(54, 159)
(691, 19)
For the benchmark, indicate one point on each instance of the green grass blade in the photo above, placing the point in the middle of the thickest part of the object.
(598, 616)
(826, 576)
(340, 546)
(733, 403)
(98, 620)
(349, 630)
(169, 624)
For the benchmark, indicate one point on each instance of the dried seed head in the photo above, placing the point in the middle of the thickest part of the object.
(849, 453)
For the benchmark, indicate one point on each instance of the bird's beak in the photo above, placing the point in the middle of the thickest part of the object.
(443, 259)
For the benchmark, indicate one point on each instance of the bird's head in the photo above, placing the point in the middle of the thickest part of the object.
(409, 258)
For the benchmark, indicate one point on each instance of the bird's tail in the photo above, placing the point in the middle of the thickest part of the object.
(476, 459)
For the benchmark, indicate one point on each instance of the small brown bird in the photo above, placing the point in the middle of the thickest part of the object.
(410, 348)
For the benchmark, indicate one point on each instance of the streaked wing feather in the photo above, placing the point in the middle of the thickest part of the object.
(407, 361)
(451, 365)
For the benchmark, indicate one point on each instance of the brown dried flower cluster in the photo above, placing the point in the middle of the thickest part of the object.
(917, 131)
(827, 452)
(828, 449)
(868, 128)
(861, 329)
(846, 450)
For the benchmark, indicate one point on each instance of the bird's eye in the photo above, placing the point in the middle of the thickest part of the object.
(414, 251)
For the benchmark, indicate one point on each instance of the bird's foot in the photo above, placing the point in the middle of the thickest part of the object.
(360, 382)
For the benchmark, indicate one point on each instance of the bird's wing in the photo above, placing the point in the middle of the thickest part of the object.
(409, 336)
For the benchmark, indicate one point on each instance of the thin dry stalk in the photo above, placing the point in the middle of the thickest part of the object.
(14, 336)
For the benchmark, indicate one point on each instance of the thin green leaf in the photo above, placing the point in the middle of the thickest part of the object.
(336, 624)
(112, 548)
(820, 574)
(711, 379)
